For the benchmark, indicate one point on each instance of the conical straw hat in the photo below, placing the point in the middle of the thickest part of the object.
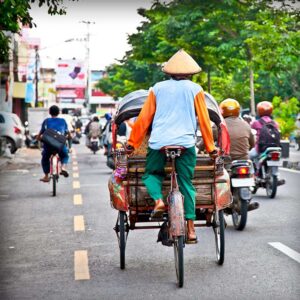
(181, 63)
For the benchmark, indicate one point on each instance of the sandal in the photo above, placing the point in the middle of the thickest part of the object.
(158, 210)
(45, 179)
(64, 173)
(191, 240)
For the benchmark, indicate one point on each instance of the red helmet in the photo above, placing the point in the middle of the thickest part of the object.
(230, 107)
(264, 108)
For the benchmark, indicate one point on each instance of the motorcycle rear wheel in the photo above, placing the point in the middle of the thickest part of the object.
(271, 184)
(239, 212)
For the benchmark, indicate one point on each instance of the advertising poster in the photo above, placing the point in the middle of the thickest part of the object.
(70, 73)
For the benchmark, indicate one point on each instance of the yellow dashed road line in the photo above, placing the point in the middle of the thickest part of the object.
(75, 163)
(76, 185)
(77, 199)
(81, 265)
(75, 168)
(79, 223)
(75, 175)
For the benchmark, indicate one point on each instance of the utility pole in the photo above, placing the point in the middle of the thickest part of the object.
(87, 90)
(36, 48)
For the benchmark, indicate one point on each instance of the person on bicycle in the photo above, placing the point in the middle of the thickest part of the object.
(61, 126)
(241, 137)
(170, 110)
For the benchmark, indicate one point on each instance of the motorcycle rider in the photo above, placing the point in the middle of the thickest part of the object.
(241, 137)
(171, 109)
(264, 111)
(94, 128)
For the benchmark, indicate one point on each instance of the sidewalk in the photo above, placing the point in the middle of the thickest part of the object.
(293, 162)
(23, 156)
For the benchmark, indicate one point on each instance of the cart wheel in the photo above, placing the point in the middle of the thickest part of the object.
(54, 185)
(122, 242)
(219, 227)
(178, 255)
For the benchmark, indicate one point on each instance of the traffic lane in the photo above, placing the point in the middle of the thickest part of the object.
(37, 237)
(150, 266)
(150, 269)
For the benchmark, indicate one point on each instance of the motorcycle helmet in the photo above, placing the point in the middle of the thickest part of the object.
(230, 107)
(264, 108)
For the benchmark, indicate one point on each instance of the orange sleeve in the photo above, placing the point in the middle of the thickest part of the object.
(204, 122)
(143, 121)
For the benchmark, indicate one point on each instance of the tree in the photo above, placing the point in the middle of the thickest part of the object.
(285, 113)
(231, 40)
(15, 13)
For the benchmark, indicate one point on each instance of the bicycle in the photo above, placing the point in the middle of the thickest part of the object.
(54, 171)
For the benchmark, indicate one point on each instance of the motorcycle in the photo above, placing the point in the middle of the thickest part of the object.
(94, 144)
(31, 138)
(267, 173)
(242, 180)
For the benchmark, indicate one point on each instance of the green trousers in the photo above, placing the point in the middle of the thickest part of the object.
(185, 166)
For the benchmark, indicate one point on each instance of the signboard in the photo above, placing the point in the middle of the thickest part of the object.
(70, 73)
(95, 77)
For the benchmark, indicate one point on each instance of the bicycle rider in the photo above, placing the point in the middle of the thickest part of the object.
(60, 125)
(171, 108)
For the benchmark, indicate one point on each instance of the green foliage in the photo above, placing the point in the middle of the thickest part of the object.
(225, 38)
(285, 113)
(15, 13)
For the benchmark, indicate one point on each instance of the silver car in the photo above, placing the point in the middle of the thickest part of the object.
(12, 129)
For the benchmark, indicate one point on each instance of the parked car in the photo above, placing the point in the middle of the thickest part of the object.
(12, 129)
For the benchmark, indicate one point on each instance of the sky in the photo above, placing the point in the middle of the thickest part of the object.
(114, 20)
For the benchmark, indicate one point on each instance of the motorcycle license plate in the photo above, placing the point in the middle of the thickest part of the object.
(274, 163)
(240, 182)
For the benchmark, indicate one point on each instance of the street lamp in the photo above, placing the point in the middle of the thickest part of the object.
(87, 90)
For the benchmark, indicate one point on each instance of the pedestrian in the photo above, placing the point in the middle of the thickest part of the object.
(61, 126)
(170, 110)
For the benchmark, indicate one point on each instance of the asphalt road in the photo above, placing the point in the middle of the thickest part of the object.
(64, 247)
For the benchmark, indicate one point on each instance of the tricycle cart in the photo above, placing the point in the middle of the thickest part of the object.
(129, 195)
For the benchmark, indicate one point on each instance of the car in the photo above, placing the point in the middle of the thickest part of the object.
(12, 130)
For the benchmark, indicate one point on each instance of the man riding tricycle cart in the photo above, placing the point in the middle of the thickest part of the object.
(159, 179)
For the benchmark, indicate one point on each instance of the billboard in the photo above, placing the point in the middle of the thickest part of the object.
(70, 73)
(95, 77)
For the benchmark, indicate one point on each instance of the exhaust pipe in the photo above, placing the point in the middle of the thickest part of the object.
(253, 206)
(280, 182)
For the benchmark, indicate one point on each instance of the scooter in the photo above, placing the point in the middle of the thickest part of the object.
(31, 138)
(242, 180)
(267, 173)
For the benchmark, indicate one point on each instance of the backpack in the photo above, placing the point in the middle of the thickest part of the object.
(269, 136)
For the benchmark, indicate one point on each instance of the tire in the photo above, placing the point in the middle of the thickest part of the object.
(271, 184)
(219, 230)
(239, 211)
(122, 242)
(54, 185)
(179, 259)
(11, 145)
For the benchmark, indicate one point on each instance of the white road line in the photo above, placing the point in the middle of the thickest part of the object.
(289, 170)
(286, 250)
